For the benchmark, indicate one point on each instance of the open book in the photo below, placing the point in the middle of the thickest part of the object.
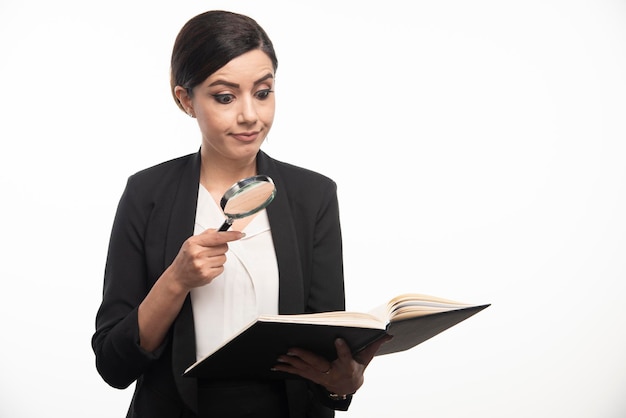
(251, 353)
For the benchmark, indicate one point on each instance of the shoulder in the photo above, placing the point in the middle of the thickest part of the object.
(161, 182)
(163, 171)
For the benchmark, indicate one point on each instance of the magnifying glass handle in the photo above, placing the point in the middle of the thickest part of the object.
(227, 224)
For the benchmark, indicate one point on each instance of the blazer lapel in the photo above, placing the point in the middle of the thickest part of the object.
(180, 228)
(291, 287)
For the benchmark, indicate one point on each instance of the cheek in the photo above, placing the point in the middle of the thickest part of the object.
(267, 115)
(214, 121)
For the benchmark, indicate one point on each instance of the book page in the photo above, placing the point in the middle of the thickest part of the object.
(407, 305)
(421, 299)
(410, 305)
(339, 318)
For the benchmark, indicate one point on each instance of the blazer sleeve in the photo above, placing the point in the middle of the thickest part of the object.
(327, 280)
(119, 358)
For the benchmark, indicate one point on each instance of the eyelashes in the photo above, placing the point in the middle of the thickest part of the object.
(228, 98)
(224, 98)
(264, 94)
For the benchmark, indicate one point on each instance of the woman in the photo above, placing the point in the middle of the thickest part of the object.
(175, 288)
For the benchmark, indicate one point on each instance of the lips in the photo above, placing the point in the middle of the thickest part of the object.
(246, 136)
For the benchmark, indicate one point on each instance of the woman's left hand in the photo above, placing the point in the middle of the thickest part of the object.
(343, 376)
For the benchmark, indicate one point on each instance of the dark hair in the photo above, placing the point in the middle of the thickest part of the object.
(209, 41)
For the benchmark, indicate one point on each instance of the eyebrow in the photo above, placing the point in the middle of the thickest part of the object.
(236, 86)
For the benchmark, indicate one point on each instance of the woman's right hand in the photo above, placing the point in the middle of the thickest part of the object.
(201, 258)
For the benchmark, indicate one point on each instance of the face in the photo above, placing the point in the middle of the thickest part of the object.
(234, 107)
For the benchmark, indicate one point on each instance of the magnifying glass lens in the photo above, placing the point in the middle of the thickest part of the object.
(246, 197)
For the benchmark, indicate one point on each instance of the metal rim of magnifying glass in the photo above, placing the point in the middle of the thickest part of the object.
(242, 184)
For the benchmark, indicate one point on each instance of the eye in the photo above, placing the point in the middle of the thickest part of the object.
(263, 94)
(224, 98)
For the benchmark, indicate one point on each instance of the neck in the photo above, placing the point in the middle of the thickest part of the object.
(218, 174)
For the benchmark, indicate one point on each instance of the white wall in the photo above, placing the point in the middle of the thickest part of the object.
(479, 149)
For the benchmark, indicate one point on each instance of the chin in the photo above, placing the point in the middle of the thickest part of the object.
(248, 152)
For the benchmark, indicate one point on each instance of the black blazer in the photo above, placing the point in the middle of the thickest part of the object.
(155, 215)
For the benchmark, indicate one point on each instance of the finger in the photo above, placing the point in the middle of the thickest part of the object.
(366, 355)
(294, 365)
(310, 360)
(215, 261)
(212, 251)
(197, 249)
(211, 237)
(343, 350)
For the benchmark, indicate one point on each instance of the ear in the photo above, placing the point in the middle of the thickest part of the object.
(185, 100)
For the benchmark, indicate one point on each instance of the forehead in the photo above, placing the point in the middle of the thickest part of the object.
(250, 66)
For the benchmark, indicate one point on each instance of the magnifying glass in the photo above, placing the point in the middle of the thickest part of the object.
(246, 197)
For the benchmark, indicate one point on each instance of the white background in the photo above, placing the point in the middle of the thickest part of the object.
(479, 148)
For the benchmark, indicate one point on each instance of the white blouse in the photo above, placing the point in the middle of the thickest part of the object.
(247, 287)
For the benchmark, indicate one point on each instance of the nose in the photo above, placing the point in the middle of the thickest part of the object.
(247, 112)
